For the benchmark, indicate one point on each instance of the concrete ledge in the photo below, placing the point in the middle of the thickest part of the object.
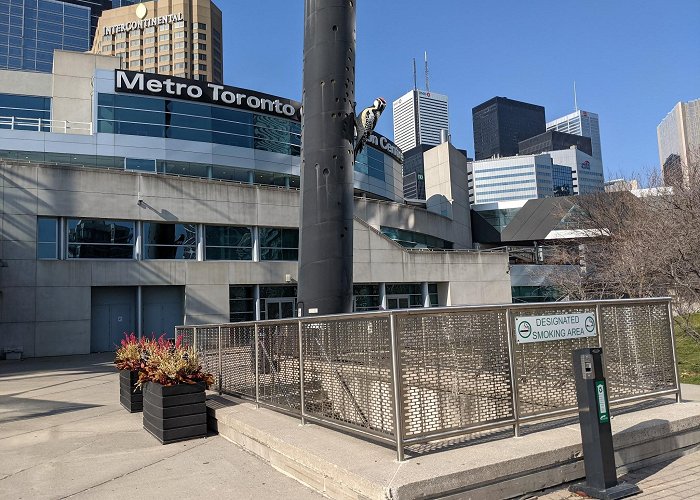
(342, 466)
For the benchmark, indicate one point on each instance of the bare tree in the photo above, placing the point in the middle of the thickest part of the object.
(636, 246)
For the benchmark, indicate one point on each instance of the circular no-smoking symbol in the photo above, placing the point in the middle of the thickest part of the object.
(524, 329)
(590, 325)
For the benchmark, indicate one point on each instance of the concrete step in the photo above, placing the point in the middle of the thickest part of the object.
(342, 466)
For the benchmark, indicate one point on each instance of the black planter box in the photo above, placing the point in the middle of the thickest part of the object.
(174, 413)
(130, 396)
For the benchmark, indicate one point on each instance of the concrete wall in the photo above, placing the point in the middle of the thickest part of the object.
(447, 191)
(45, 306)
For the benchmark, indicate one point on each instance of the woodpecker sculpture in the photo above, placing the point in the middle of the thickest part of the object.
(366, 122)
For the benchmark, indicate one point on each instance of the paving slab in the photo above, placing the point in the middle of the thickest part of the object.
(63, 434)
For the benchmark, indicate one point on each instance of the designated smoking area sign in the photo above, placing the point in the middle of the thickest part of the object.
(529, 329)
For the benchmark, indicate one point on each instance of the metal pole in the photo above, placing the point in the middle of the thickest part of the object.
(257, 368)
(301, 373)
(513, 381)
(679, 399)
(328, 156)
(396, 384)
(220, 363)
(599, 329)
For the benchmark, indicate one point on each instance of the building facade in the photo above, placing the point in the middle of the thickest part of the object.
(583, 123)
(134, 209)
(554, 141)
(419, 119)
(586, 171)
(181, 38)
(679, 141)
(30, 31)
(500, 124)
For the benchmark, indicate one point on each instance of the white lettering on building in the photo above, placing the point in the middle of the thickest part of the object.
(146, 23)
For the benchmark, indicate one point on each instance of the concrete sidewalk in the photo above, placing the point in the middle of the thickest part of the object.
(63, 434)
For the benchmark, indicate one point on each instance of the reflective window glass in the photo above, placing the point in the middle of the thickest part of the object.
(169, 241)
(47, 238)
(100, 239)
(228, 243)
(278, 243)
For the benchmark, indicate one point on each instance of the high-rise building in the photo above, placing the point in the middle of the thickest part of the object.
(500, 124)
(679, 140)
(178, 38)
(30, 30)
(554, 141)
(582, 123)
(419, 119)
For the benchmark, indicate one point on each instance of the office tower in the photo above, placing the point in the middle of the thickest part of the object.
(679, 141)
(419, 119)
(500, 124)
(179, 38)
(582, 123)
(554, 141)
(30, 30)
(123, 3)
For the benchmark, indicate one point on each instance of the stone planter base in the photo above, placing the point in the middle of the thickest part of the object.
(130, 396)
(174, 413)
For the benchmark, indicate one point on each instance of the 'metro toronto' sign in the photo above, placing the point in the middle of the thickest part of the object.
(132, 82)
(150, 84)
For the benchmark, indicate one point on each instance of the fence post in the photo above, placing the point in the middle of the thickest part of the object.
(513, 381)
(194, 339)
(257, 368)
(301, 374)
(672, 326)
(221, 368)
(599, 328)
(396, 385)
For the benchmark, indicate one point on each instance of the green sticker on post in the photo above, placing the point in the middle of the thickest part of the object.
(602, 400)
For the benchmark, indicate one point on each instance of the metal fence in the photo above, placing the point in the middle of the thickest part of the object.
(414, 376)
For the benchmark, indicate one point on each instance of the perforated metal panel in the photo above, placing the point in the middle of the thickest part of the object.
(278, 365)
(187, 334)
(544, 370)
(238, 360)
(207, 339)
(637, 349)
(454, 370)
(347, 372)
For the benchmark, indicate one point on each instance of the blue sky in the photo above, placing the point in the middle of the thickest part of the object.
(632, 59)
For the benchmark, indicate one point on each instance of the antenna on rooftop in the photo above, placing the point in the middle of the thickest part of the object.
(415, 75)
(427, 73)
(575, 98)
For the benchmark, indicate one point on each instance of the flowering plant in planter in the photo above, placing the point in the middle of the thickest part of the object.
(129, 354)
(170, 364)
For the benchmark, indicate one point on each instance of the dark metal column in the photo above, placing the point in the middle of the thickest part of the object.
(326, 222)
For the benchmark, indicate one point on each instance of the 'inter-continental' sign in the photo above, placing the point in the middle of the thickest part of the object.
(554, 327)
(132, 82)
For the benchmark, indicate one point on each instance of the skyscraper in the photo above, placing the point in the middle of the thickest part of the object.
(501, 123)
(679, 140)
(179, 38)
(583, 123)
(30, 30)
(419, 118)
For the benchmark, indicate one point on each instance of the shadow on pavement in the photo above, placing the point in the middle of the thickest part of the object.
(16, 409)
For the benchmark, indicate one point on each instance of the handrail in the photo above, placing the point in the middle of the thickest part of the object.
(46, 125)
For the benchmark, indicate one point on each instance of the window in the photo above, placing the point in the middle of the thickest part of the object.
(200, 46)
(169, 241)
(164, 48)
(164, 38)
(100, 239)
(164, 58)
(140, 165)
(164, 27)
(149, 60)
(27, 111)
(228, 243)
(149, 30)
(47, 238)
(366, 297)
(149, 39)
(107, 38)
(135, 43)
(149, 50)
(200, 57)
(120, 36)
(404, 295)
(120, 45)
(107, 48)
(277, 302)
(135, 53)
(200, 67)
(199, 36)
(179, 55)
(279, 243)
(180, 45)
(242, 304)
(180, 34)
(180, 65)
(180, 24)
(164, 68)
(199, 26)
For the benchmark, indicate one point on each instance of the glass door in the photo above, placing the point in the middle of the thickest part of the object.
(279, 308)
(398, 301)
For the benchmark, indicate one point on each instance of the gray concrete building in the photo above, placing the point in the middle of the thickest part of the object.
(126, 208)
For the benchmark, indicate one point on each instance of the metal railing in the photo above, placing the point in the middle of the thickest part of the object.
(414, 376)
(44, 125)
